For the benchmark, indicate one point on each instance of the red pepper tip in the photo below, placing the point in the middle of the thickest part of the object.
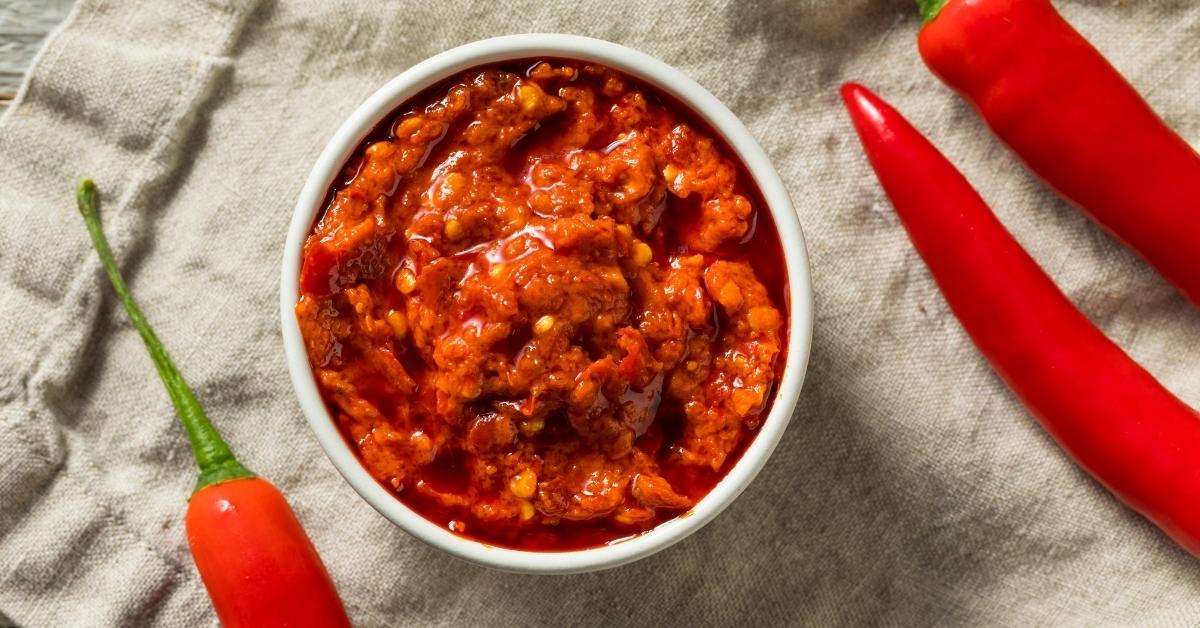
(851, 90)
(867, 110)
(853, 93)
(859, 98)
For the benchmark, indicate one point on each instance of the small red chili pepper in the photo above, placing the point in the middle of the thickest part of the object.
(1075, 121)
(259, 566)
(1108, 413)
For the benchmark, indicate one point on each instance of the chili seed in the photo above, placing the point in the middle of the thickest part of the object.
(453, 230)
(523, 484)
(543, 324)
(406, 282)
(399, 323)
(642, 253)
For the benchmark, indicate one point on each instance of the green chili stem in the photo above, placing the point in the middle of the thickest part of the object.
(930, 8)
(213, 455)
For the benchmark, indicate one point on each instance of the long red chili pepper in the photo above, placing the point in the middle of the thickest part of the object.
(1075, 121)
(1111, 416)
(259, 566)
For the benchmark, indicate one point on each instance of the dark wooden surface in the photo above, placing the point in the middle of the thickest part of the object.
(24, 25)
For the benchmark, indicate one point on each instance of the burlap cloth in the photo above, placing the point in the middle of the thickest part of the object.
(910, 489)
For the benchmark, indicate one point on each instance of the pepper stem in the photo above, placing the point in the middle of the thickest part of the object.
(213, 455)
(930, 8)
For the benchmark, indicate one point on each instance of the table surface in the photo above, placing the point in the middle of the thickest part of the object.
(24, 25)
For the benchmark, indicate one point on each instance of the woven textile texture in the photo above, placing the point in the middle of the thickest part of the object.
(910, 489)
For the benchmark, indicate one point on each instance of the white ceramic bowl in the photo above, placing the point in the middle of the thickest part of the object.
(382, 104)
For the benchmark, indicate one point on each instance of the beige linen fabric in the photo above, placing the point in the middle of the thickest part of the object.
(911, 488)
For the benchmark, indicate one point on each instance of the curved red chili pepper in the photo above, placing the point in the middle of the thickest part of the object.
(258, 565)
(1075, 121)
(1108, 413)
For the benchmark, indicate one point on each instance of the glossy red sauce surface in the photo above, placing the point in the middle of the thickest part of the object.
(546, 306)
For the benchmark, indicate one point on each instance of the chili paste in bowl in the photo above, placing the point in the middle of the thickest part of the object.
(545, 305)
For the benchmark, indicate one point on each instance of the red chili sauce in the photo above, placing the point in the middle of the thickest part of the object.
(546, 306)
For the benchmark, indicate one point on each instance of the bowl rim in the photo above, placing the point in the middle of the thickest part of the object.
(659, 75)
